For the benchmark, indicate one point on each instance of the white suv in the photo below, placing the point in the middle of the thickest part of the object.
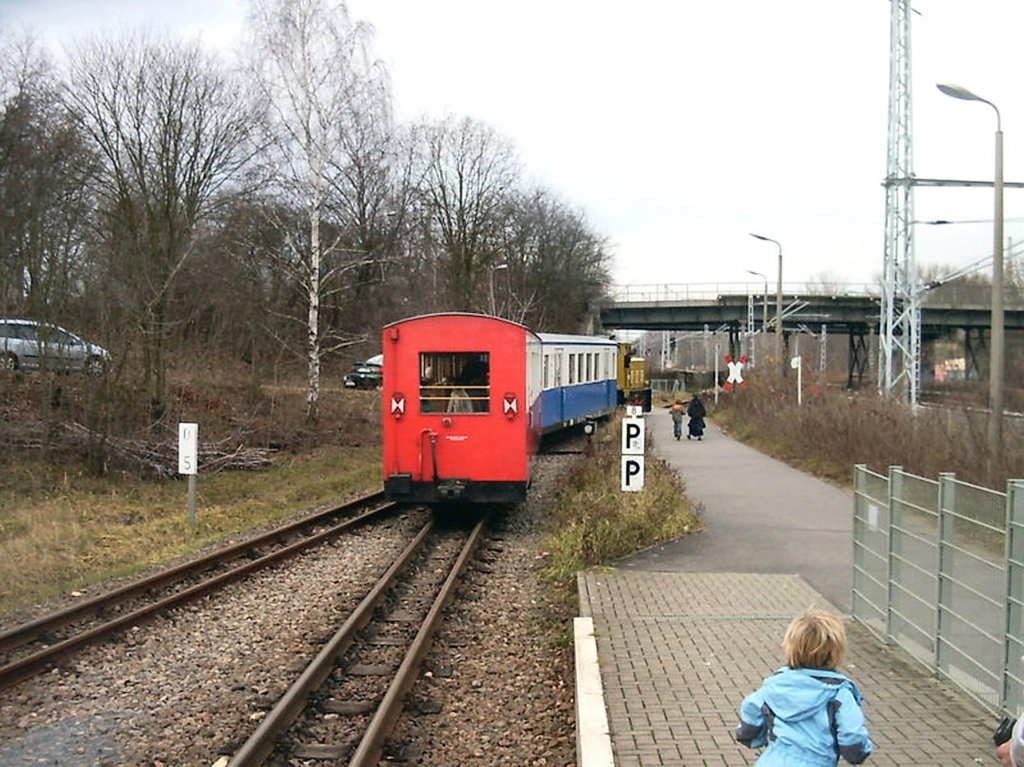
(31, 345)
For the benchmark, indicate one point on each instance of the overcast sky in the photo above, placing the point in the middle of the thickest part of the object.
(680, 126)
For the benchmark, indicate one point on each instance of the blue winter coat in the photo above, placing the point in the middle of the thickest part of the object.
(807, 718)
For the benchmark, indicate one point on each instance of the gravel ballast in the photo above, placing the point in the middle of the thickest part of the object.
(189, 687)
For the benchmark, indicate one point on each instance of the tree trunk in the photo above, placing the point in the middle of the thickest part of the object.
(313, 326)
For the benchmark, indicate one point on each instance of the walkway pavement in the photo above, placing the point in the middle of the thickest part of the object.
(686, 629)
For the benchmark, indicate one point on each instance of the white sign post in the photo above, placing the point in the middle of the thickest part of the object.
(633, 444)
(795, 364)
(188, 462)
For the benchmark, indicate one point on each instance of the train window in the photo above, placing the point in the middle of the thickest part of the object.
(572, 368)
(556, 368)
(455, 382)
(547, 371)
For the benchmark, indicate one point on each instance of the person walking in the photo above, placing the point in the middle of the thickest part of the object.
(695, 409)
(678, 411)
(807, 713)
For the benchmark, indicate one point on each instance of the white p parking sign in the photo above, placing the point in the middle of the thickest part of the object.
(633, 436)
(633, 444)
(632, 473)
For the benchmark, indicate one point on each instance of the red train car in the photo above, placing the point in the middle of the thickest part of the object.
(460, 398)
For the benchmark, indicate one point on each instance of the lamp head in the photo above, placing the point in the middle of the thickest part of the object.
(958, 92)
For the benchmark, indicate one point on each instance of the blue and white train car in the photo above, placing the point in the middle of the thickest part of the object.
(579, 380)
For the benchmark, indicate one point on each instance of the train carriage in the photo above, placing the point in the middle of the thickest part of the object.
(579, 380)
(466, 398)
(460, 408)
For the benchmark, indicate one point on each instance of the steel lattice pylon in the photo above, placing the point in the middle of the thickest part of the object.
(899, 351)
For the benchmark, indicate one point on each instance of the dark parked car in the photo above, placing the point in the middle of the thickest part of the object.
(365, 375)
(31, 345)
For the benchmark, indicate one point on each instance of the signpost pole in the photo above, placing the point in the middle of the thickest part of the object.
(188, 463)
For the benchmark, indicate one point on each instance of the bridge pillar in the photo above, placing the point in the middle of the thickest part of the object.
(975, 353)
(735, 344)
(857, 358)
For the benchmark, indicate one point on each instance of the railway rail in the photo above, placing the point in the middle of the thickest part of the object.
(347, 700)
(32, 647)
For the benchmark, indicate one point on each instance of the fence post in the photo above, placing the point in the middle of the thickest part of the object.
(895, 491)
(858, 527)
(1012, 692)
(946, 500)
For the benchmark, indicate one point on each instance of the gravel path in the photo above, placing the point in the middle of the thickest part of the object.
(187, 688)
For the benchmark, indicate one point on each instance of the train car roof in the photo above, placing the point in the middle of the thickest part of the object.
(571, 340)
(469, 315)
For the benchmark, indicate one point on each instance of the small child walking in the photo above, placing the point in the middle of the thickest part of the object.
(678, 410)
(807, 713)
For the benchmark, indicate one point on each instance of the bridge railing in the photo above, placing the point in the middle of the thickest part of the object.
(709, 291)
(938, 569)
(953, 294)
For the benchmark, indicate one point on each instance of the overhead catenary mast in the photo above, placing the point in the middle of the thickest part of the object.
(899, 352)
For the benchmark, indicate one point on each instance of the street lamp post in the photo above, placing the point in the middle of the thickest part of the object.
(778, 304)
(764, 312)
(491, 282)
(997, 340)
(764, 303)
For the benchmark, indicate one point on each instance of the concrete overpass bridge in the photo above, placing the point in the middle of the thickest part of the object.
(855, 313)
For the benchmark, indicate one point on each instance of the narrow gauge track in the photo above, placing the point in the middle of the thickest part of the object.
(30, 648)
(346, 702)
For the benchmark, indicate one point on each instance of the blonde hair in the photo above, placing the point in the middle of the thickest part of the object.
(815, 639)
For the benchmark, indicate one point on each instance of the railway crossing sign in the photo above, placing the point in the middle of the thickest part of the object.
(633, 443)
(735, 366)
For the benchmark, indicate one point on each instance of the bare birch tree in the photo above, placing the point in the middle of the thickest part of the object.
(312, 67)
(170, 128)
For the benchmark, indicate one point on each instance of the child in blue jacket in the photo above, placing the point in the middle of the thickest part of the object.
(807, 713)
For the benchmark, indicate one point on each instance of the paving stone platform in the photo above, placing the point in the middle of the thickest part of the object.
(680, 640)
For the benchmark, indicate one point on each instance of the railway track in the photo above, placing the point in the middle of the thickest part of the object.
(30, 648)
(345, 703)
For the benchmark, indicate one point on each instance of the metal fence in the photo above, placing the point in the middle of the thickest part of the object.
(938, 569)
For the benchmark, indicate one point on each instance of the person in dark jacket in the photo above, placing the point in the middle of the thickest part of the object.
(807, 713)
(695, 409)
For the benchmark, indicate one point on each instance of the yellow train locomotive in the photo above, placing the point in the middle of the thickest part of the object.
(633, 384)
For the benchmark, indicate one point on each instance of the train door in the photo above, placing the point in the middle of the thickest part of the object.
(552, 407)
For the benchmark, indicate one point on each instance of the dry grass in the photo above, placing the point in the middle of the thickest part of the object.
(596, 522)
(835, 429)
(64, 526)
